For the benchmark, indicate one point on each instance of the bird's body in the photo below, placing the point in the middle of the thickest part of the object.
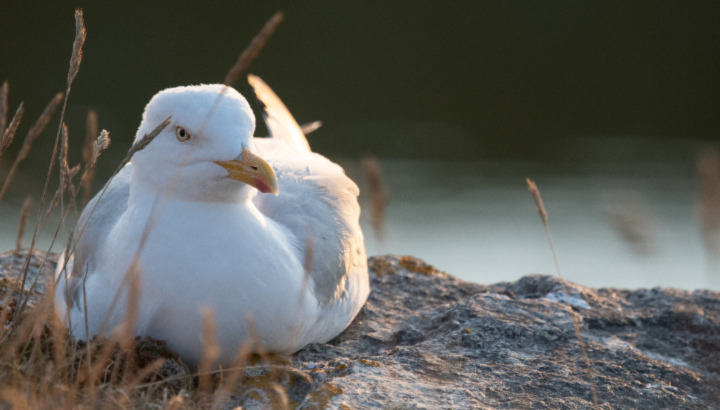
(203, 241)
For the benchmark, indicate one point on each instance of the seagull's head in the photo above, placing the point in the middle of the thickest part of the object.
(205, 153)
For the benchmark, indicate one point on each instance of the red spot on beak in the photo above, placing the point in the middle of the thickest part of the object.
(262, 186)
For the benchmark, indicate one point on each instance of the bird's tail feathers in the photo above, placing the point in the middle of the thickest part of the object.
(280, 122)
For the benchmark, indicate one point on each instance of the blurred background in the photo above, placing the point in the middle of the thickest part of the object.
(612, 107)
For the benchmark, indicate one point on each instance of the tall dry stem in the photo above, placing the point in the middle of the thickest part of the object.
(535, 193)
(253, 49)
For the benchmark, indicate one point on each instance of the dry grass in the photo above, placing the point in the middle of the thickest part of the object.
(708, 171)
(24, 213)
(3, 106)
(251, 52)
(535, 193)
(41, 365)
(91, 130)
(30, 137)
(378, 196)
(8, 134)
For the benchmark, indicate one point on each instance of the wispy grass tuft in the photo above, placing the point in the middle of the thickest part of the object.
(535, 193)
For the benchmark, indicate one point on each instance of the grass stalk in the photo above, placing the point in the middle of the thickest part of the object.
(24, 213)
(75, 60)
(30, 137)
(211, 352)
(253, 49)
(96, 374)
(535, 193)
(3, 105)
(708, 172)
(91, 130)
(378, 196)
(8, 134)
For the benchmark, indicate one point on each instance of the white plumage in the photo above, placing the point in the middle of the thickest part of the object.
(204, 239)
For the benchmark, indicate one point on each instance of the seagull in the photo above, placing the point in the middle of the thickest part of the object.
(262, 233)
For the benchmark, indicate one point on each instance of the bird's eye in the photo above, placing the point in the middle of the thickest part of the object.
(181, 134)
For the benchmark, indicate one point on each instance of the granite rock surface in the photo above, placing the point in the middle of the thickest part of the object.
(426, 339)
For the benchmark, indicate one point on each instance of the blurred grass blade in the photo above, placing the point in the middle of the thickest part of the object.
(253, 49)
(3, 105)
(8, 134)
(24, 213)
(30, 137)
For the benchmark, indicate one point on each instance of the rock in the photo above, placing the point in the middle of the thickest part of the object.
(426, 339)
(40, 269)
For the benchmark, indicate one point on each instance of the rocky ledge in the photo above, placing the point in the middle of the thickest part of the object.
(426, 339)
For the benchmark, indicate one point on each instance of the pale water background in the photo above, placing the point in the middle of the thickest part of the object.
(461, 100)
(619, 222)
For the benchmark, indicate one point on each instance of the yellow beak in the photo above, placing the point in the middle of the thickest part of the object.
(252, 170)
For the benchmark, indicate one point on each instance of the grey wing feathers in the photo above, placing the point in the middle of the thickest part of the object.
(318, 204)
(317, 201)
(93, 226)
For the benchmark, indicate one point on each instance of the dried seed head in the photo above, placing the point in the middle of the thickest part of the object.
(64, 147)
(76, 58)
(91, 152)
(535, 193)
(100, 145)
(30, 137)
(40, 125)
(102, 142)
(9, 133)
